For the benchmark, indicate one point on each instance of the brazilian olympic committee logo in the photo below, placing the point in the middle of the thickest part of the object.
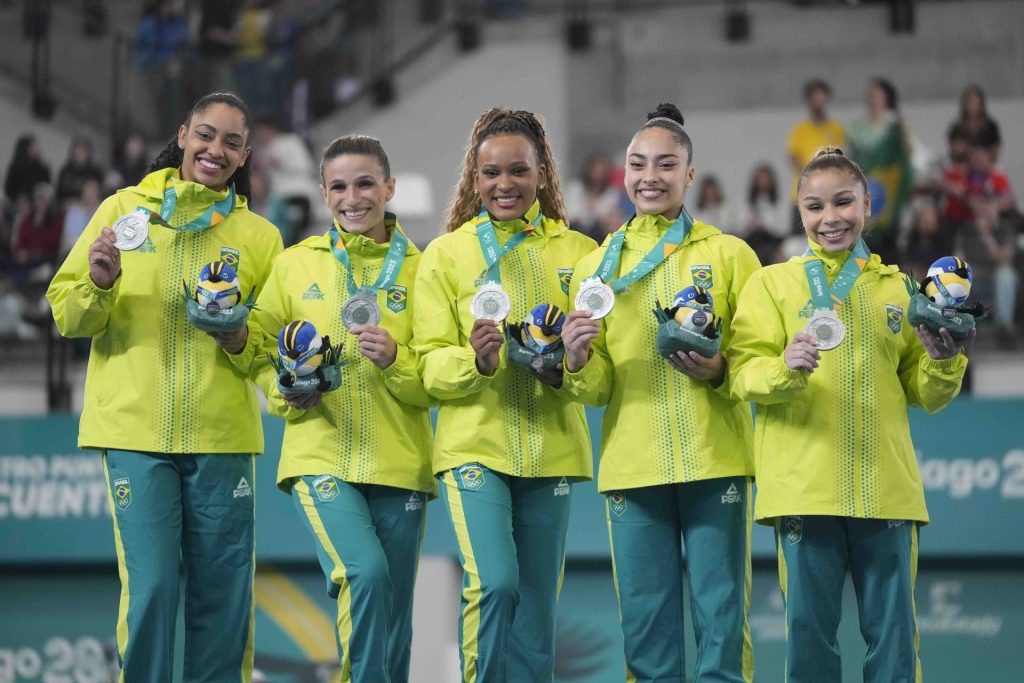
(122, 493)
(793, 527)
(326, 488)
(617, 502)
(894, 316)
(564, 277)
(398, 297)
(472, 476)
(702, 276)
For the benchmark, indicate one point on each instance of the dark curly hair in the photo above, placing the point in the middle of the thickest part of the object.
(171, 155)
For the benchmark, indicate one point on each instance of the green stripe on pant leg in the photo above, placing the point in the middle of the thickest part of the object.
(145, 503)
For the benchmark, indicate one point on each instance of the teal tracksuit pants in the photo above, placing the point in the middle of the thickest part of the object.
(511, 536)
(368, 540)
(815, 553)
(648, 527)
(196, 510)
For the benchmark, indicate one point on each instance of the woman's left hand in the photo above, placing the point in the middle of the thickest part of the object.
(698, 367)
(232, 342)
(376, 344)
(944, 346)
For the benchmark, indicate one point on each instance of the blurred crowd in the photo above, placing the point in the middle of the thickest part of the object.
(265, 50)
(924, 205)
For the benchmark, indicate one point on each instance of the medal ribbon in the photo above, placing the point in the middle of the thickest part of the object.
(669, 242)
(825, 297)
(211, 217)
(392, 261)
(493, 252)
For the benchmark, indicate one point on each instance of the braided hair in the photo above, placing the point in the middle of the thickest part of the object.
(667, 116)
(465, 204)
(171, 155)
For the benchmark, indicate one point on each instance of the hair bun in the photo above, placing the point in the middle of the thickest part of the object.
(829, 151)
(666, 110)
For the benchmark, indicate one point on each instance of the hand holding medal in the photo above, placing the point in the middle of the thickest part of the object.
(104, 259)
(802, 353)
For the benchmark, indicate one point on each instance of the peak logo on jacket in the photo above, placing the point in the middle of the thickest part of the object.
(243, 489)
(313, 293)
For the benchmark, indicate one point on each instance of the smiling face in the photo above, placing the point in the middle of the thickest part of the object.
(658, 173)
(508, 175)
(214, 144)
(357, 192)
(833, 208)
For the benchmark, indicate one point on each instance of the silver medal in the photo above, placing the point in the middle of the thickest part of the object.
(826, 329)
(360, 309)
(490, 303)
(130, 230)
(596, 297)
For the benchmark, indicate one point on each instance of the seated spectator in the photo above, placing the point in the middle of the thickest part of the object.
(129, 162)
(592, 199)
(78, 214)
(37, 236)
(928, 241)
(266, 203)
(974, 123)
(711, 206)
(989, 243)
(76, 170)
(764, 219)
(26, 170)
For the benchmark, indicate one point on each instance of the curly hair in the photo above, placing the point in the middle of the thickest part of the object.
(465, 204)
(171, 155)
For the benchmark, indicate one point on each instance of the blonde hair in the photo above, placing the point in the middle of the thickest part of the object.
(465, 204)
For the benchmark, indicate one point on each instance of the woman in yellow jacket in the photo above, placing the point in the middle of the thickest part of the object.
(676, 447)
(823, 349)
(177, 424)
(508, 444)
(356, 460)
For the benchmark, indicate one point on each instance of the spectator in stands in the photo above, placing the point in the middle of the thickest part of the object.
(37, 237)
(989, 243)
(953, 186)
(26, 170)
(264, 202)
(79, 167)
(215, 46)
(78, 213)
(592, 201)
(764, 220)
(129, 162)
(880, 144)
(711, 206)
(251, 75)
(286, 160)
(160, 50)
(808, 136)
(974, 123)
(929, 239)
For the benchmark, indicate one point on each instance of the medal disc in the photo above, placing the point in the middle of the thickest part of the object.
(826, 329)
(130, 231)
(491, 303)
(596, 297)
(360, 309)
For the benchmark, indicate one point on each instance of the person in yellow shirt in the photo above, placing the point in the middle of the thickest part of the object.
(821, 345)
(509, 443)
(177, 424)
(808, 136)
(676, 448)
(355, 460)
